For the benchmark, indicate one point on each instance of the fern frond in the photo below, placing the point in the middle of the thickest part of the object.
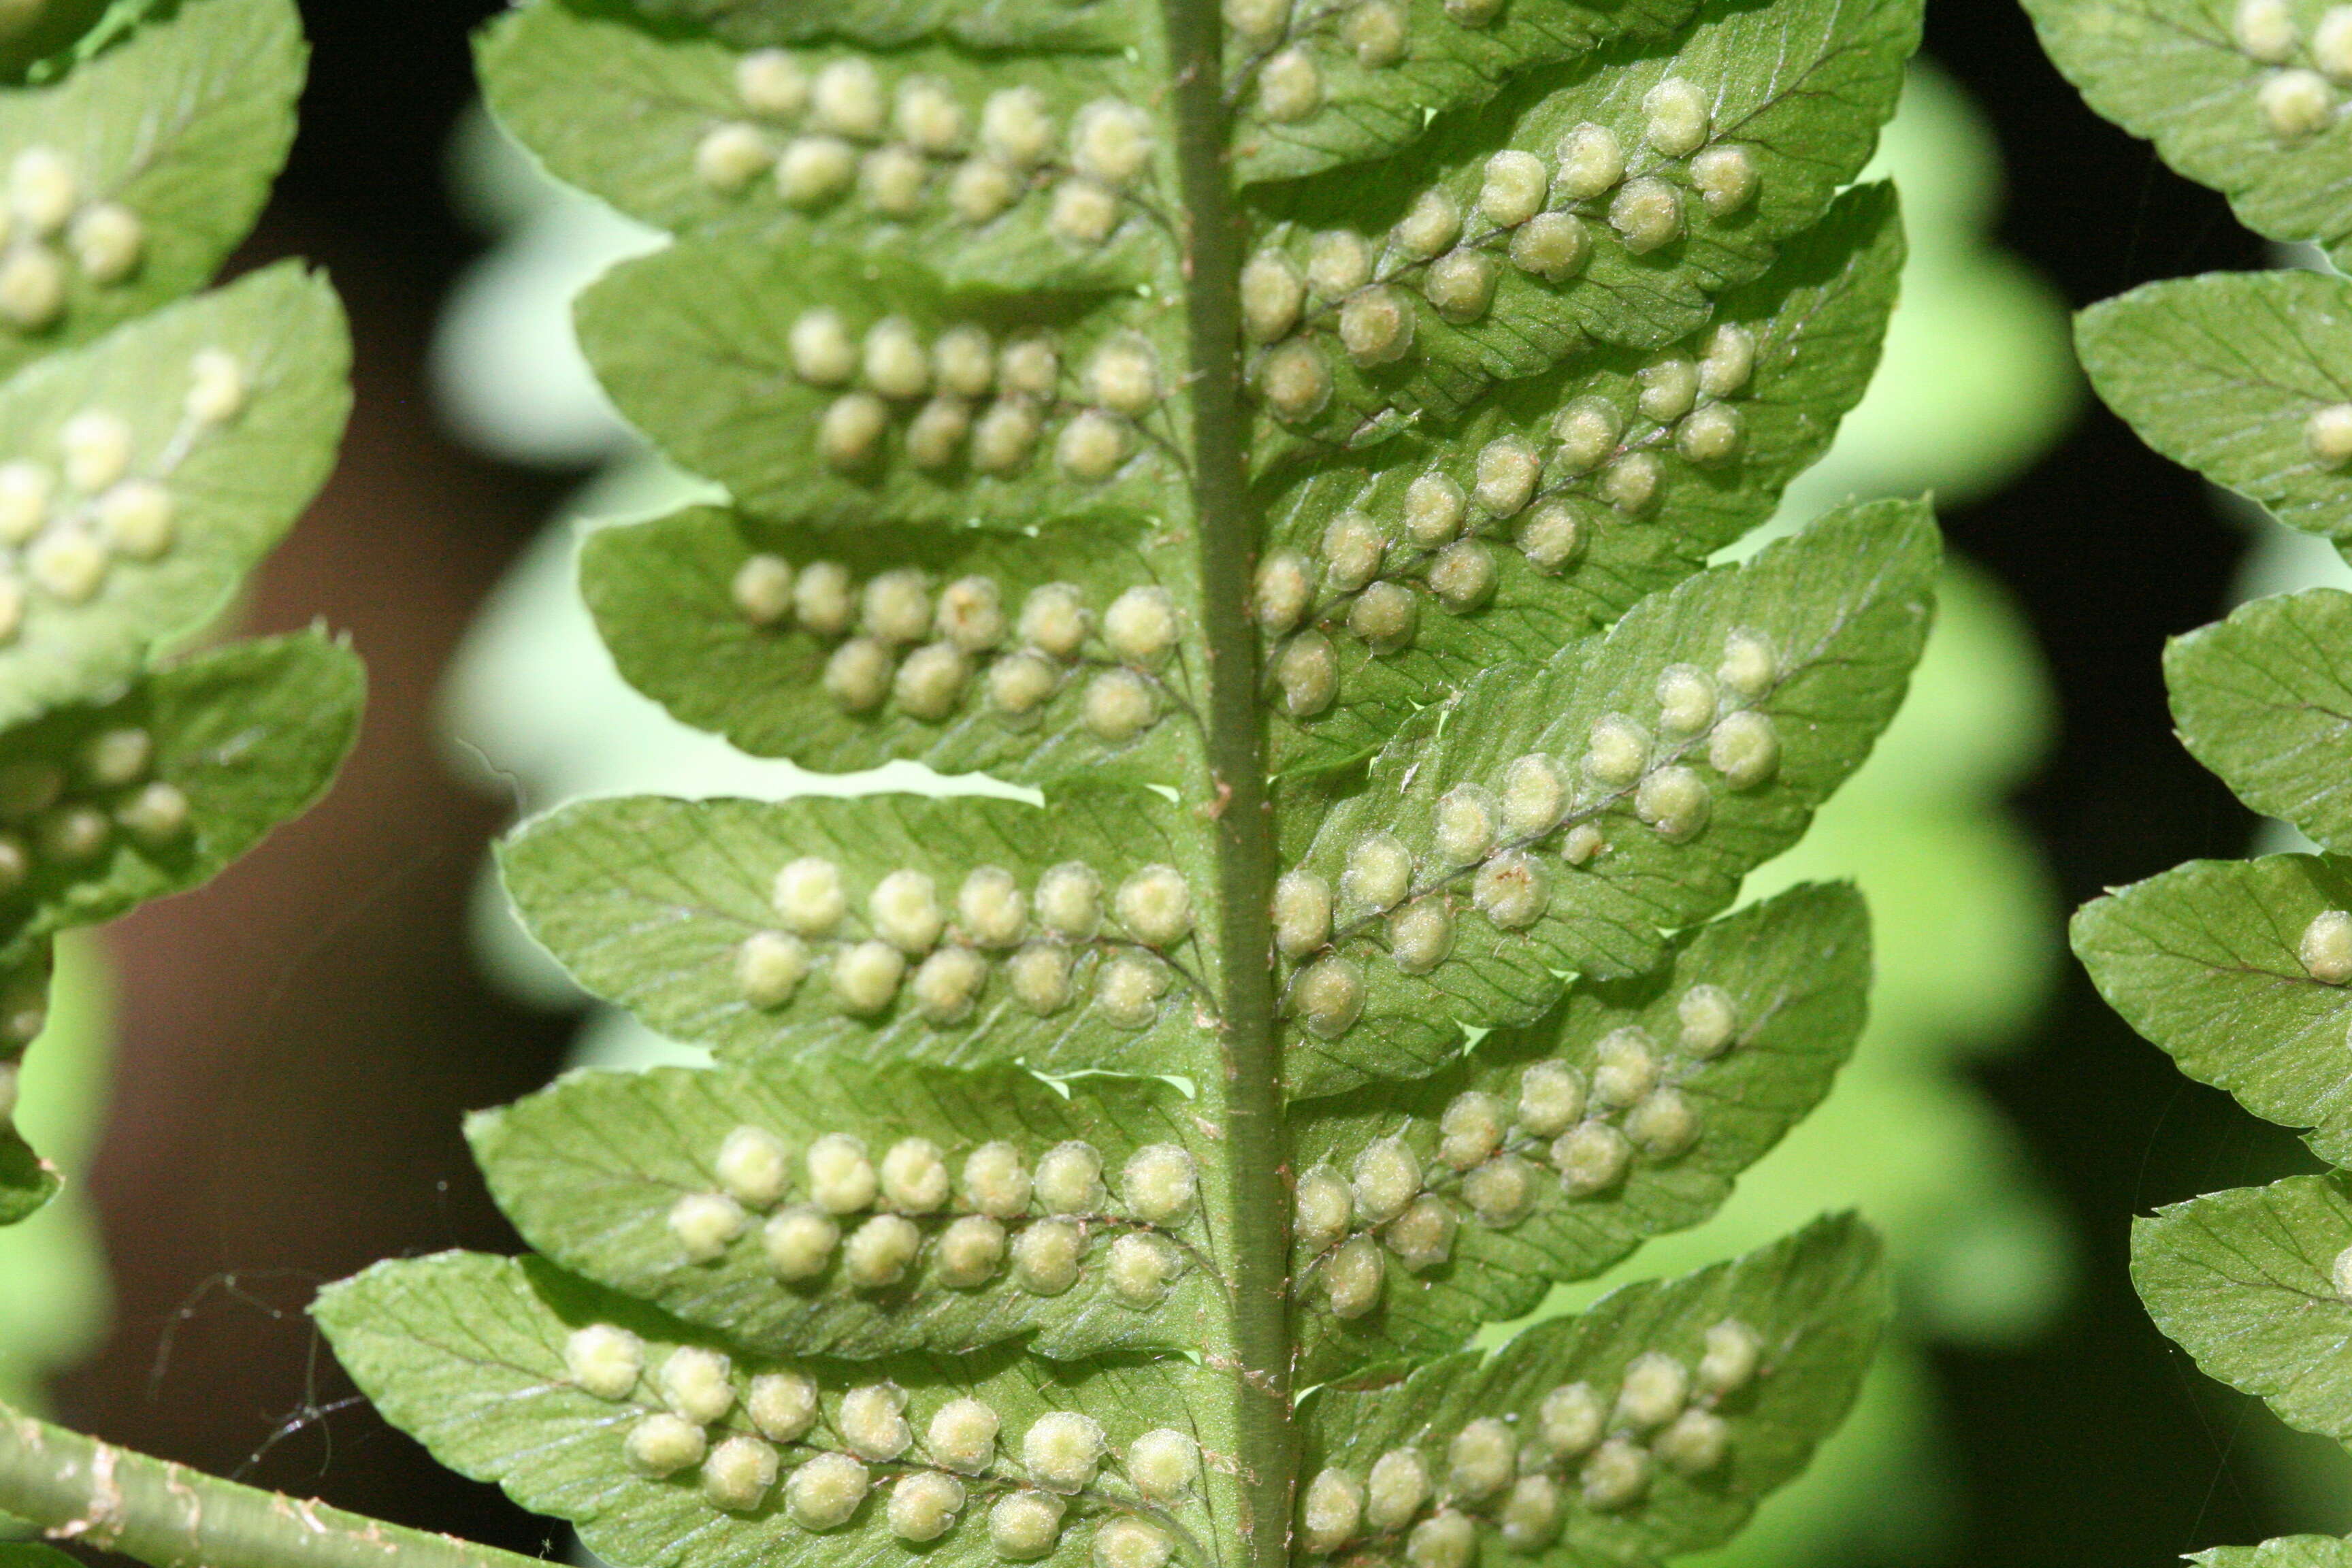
(2233, 376)
(960, 929)
(1703, 157)
(152, 449)
(1291, 437)
(2235, 968)
(2231, 967)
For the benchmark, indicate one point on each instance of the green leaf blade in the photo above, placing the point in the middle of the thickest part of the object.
(2169, 70)
(2286, 1551)
(1800, 86)
(1843, 607)
(1377, 95)
(650, 902)
(1815, 1300)
(2224, 373)
(228, 745)
(2243, 1280)
(2204, 962)
(27, 1182)
(182, 128)
(1815, 324)
(669, 600)
(31, 1555)
(593, 1170)
(1049, 25)
(1787, 976)
(470, 1353)
(695, 345)
(232, 487)
(652, 122)
(2261, 699)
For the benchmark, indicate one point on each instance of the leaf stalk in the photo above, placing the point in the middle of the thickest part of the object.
(1227, 532)
(77, 1488)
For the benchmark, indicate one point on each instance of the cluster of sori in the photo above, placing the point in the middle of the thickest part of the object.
(894, 642)
(825, 130)
(2326, 948)
(1041, 938)
(48, 224)
(2296, 101)
(846, 1444)
(1490, 1153)
(894, 372)
(1064, 1216)
(1279, 40)
(1532, 214)
(63, 525)
(1602, 463)
(2327, 433)
(1490, 837)
(53, 817)
(1663, 1413)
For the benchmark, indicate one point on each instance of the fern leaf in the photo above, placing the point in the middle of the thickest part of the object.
(2232, 968)
(764, 633)
(2249, 1282)
(2262, 699)
(692, 136)
(570, 1398)
(1554, 1151)
(154, 158)
(2237, 113)
(1318, 89)
(1596, 523)
(2286, 1551)
(1650, 1424)
(781, 346)
(1108, 25)
(2236, 376)
(27, 1182)
(818, 1205)
(843, 925)
(650, 902)
(1775, 107)
(1535, 827)
(152, 794)
(150, 499)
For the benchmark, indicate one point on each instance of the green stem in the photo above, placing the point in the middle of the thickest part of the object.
(1255, 1155)
(77, 1488)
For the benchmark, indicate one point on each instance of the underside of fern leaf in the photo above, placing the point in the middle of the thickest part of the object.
(2238, 968)
(1293, 439)
(152, 449)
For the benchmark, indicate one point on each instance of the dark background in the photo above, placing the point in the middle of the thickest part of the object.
(300, 1040)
